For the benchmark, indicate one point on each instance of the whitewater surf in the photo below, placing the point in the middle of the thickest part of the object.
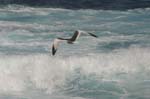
(114, 66)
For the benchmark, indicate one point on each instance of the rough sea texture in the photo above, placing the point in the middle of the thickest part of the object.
(114, 66)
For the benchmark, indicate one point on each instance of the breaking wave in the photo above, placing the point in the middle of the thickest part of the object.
(115, 65)
(72, 74)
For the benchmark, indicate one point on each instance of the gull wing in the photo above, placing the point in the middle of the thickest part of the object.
(78, 33)
(91, 34)
(75, 36)
(87, 33)
(55, 45)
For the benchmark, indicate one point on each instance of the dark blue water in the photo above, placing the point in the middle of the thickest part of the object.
(83, 4)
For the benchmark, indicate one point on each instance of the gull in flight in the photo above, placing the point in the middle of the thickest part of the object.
(69, 40)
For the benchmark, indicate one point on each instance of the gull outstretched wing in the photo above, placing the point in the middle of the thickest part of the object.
(55, 45)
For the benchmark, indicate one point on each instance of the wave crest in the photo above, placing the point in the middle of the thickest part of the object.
(18, 73)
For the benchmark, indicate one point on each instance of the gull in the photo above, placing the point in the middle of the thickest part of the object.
(71, 40)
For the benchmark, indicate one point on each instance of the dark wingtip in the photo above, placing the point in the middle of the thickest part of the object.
(93, 35)
(53, 50)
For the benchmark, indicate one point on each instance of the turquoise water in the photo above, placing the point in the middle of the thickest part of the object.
(114, 66)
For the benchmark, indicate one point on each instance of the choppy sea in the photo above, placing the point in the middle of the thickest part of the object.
(114, 66)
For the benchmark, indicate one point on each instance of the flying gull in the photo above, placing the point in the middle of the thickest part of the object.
(69, 40)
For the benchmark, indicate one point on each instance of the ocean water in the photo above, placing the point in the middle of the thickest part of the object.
(114, 66)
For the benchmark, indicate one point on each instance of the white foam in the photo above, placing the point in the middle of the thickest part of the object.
(26, 10)
(47, 72)
(7, 25)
